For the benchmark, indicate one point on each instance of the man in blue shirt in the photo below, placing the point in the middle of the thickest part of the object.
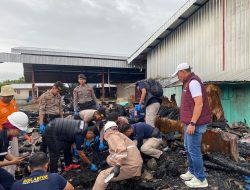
(148, 138)
(150, 101)
(39, 178)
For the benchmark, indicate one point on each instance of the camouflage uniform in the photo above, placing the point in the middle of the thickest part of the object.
(50, 104)
(51, 107)
(84, 98)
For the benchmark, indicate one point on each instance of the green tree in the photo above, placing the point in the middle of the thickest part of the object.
(8, 82)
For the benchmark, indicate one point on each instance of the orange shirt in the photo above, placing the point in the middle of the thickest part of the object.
(6, 110)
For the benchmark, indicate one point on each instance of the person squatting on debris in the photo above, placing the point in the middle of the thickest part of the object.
(7, 107)
(39, 178)
(83, 96)
(50, 107)
(148, 138)
(16, 122)
(97, 116)
(151, 93)
(60, 134)
(195, 114)
(125, 159)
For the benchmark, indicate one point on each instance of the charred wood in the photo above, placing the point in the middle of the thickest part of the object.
(224, 161)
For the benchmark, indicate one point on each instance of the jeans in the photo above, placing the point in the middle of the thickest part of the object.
(192, 144)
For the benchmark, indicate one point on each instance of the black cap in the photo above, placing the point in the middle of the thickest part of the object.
(94, 129)
(82, 76)
(102, 111)
(123, 128)
(58, 85)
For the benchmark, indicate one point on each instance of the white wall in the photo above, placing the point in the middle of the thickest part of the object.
(22, 94)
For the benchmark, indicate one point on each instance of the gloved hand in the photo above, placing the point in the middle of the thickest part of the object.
(101, 146)
(87, 144)
(138, 107)
(116, 171)
(76, 114)
(93, 168)
(97, 139)
(42, 128)
(75, 152)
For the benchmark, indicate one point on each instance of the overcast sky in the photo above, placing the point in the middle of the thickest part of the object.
(116, 27)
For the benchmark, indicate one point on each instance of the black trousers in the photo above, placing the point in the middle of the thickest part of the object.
(6, 180)
(47, 119)
(56, 146)
(87, 105)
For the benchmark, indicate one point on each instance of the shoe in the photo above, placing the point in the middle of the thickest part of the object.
(196, 183)
(74, 166)
(67, 168)
(187, 176)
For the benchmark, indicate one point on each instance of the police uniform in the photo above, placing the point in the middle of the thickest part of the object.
(51, 107)
(41, 180)
(84, 98)
(87, 115)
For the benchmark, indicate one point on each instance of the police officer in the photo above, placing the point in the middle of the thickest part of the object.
(60, 134)
(50, 107)
(39, 178)
(84, 96)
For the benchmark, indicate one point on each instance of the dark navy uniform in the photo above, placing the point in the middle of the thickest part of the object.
(6, 179)
(41, 180)
(60, 134)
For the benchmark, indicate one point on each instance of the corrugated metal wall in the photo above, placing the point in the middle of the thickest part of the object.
(199, 41)
(237, 34)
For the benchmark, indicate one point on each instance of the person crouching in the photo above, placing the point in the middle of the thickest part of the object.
(125, 159)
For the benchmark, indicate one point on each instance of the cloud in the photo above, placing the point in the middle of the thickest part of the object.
(100, 26)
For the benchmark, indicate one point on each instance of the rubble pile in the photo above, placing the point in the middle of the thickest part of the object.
(226, 162)
(164, 176)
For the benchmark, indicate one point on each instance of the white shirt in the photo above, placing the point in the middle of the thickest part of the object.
(195, 88)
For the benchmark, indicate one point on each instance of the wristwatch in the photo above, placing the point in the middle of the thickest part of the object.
(192, 123)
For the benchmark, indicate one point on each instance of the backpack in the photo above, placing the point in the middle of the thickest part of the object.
(154, 87)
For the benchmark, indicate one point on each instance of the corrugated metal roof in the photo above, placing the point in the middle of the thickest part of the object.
(239, 76)
(174, 22)
(29, 85)
(229, 76)
(21, 86)
(64, 60)
(63, 57)
(60, 52)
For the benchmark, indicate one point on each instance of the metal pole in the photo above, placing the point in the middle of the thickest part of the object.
(33, 83)
(103, 89)
(109, 82)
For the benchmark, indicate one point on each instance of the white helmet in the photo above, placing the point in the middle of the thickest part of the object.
(109, 124)
(20, 120)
